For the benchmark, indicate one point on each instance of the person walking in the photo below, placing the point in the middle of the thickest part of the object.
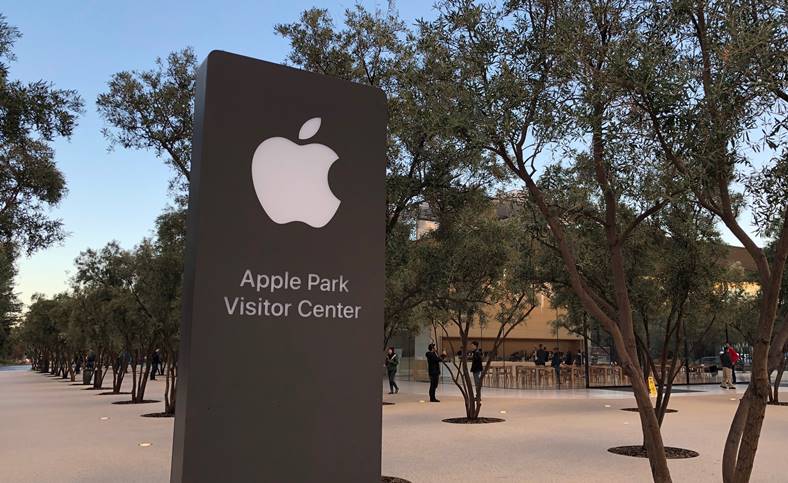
(734, 359)
(433, 369)
(392, 361)
(727, 370)
(476, 369)
(155, 362)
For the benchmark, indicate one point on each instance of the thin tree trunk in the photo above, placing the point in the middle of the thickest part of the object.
(775, 395)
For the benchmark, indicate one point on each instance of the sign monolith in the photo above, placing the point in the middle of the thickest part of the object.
(280, 360)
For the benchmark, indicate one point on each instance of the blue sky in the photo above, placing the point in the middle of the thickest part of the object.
(79, 45)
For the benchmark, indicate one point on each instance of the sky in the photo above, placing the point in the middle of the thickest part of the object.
(117, 195)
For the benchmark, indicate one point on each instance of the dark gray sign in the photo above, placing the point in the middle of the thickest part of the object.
(280, 363)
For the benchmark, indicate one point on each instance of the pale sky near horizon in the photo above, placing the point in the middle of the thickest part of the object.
(116, 195)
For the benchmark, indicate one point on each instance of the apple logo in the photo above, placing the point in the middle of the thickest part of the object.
(291, 180)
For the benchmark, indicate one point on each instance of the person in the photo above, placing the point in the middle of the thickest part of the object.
(579, 358)
(392, 361)
(155, 363)
(734, 359)
(476, 369)
(727, 368)
(568, 358)
(433, 369)
(541, 356)
(556, 363)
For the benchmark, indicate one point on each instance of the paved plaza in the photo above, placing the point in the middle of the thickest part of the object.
(53, 431)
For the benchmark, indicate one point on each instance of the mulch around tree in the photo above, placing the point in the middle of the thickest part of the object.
(778, 403)
(147, 401)
(78, 384)
(473, 421)
(387, 403)
(95, 389)
(638, 451)
(392, 479)
(635, 410)
(158, 415)
(111, 393)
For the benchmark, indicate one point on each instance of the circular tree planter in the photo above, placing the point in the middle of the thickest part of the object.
(158, 415)
(147, 401)
(112, 393)
(473, 421)
(638, 451)
(392, 479)
(778, 403)
(635, 410)
(95, 389)
(385, 403)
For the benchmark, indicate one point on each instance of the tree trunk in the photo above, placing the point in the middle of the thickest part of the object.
(117, 377)
(774, 397)
(139, 383)
(742, 442)
(171, 385)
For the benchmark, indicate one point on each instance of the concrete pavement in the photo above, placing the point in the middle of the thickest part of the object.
(51, 431)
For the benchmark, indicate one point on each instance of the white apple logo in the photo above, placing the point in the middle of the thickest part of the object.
(291, 180)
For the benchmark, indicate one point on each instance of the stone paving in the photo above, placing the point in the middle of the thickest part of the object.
(52, 431)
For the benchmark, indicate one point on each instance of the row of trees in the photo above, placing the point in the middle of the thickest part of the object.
(124, 305)
(648, 102)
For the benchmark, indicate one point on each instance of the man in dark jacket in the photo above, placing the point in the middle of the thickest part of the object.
(433, 369)
(541, 356)
(556, 363)
(476, 369)
(155, 363)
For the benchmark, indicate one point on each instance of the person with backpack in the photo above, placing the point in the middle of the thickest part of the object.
(392, 361)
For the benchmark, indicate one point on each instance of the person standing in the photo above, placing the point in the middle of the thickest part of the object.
(579, 358)
(727, 370)
(476, 369)
(392, 361)
(433, 369)
(541, 356)
(556, 363)
(734, 359)
(155, 361)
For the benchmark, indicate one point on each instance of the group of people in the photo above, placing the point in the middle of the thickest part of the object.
(541, 356)
(433, 368)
